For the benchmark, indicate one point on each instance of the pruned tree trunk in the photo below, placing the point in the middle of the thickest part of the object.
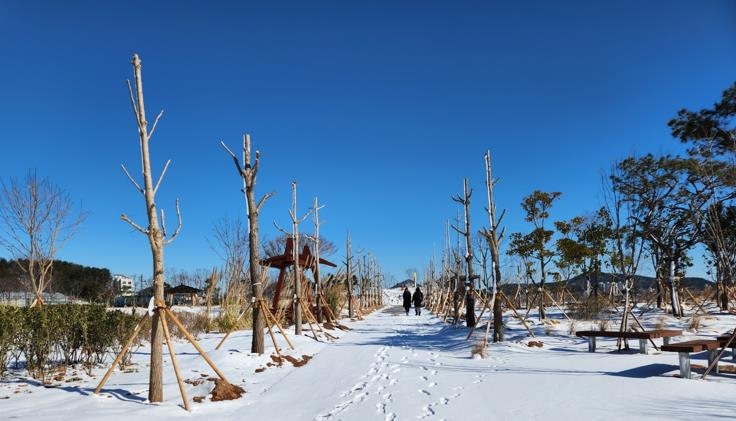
(249, 173)
(494, 236)
(349, 278)
(317, 281)
(470, 276)
(155, 232)
(674, 300)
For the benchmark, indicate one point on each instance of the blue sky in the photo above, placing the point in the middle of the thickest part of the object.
(380, 109)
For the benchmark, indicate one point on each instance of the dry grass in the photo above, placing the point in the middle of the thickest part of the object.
(480, 348)
(694, 323)
(660, 323)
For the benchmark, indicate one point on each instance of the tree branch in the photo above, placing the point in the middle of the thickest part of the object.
(125, 218)
(161, 177)
(155, 123)
(263, 200)
(132, 102)
(281, 229)
(178, 227)
(137, 186)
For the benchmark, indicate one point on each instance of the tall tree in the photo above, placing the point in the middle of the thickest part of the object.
(711, 132)
(533, 246)
(494, 235)
(38, 219)
(584, 244)
(156, 230)
(469, 274)
(669, 198)
(248, 174)
(720, 241)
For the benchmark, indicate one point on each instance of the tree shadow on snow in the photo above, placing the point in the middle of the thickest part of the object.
(645, 371)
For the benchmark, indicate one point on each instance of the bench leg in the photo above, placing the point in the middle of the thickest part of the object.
(643, 343)
(684, 364)
(712, 355)
(666, 340)
(591, 343)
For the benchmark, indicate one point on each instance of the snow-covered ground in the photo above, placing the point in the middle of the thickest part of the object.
(396, 367)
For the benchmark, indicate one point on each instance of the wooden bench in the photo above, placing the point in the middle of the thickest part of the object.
(643, 337)
(723, 339)
(684, 349)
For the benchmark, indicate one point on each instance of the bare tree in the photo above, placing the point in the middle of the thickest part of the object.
(156, 230)
(465, 232)
(316, 239)
(349, 276)
(271, 247)
(494, 236)
(248, 173)
(38, 219)
(297, 268)
(231, 238)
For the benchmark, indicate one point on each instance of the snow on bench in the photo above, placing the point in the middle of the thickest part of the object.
(643, 337)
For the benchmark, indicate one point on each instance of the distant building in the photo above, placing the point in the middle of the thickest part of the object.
(123, 285)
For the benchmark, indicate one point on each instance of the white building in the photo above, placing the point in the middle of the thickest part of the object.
(123, 285)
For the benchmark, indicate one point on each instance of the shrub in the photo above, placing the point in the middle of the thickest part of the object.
(9, 329)
(194, 323)
(334, 296)
(38, 342)
(590, 309)
(57, 335)
(228, 320)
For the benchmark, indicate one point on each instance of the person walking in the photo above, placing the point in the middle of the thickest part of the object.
(417, 298)
(407, 299)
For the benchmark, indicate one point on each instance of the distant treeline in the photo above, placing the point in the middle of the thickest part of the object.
(87, 283)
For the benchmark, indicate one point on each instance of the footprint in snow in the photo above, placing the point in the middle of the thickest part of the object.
(428, 411)
(381, 408)
(425, 392)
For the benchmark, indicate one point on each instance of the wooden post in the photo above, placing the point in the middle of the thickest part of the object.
(122, 352)
(175, 363)
(194, 343)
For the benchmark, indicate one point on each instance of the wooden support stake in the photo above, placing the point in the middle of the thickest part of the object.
(121, 353)
(242, 313)
(483, 310)
(174, 362)
(308, 316)
(272, 318)
(523, 321)
(194, 343)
